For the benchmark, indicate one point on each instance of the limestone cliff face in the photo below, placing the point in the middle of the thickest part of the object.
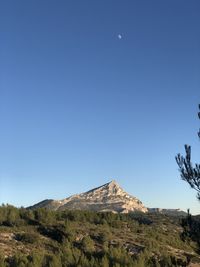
(108, 197)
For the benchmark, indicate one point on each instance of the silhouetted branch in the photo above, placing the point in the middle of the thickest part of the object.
(189, 173)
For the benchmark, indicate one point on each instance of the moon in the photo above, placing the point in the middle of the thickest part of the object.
(119, 36)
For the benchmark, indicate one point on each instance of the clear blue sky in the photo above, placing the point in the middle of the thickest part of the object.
(79, 106)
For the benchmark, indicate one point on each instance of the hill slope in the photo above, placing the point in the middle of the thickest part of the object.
(44, 238)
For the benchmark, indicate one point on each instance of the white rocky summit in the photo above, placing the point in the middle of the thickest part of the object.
(108, 197)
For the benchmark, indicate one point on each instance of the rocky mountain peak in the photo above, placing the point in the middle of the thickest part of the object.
(109, 189)
(107, 197)
(113, 187)
(113, 182)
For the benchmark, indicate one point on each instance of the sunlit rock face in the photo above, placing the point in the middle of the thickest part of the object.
(108, 197)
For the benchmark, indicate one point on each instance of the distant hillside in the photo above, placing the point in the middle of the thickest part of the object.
(171, 212)
(108, 197)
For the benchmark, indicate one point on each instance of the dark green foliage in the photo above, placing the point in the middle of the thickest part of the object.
(9, 216)
(87, 244)
(44, 238)
(189, 173)
(141, 218)
(105, 235)
(44, 216)
(54, 232)
(191, 226)
(28, 237)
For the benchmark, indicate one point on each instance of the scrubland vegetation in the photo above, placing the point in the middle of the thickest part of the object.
(40, 238)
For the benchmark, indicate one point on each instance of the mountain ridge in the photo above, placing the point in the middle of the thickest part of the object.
(109, 197)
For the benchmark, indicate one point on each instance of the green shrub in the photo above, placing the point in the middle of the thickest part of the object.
(28, 237)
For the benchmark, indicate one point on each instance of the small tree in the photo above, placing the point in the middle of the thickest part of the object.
(87, 244)
(189, 173)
